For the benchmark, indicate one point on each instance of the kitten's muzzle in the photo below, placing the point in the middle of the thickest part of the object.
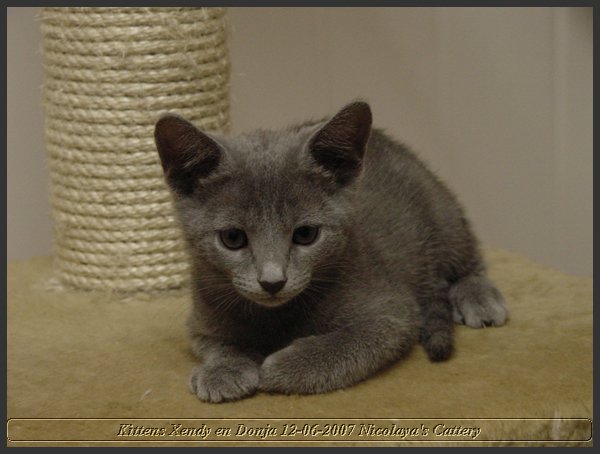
(272, 286)
(272, 277)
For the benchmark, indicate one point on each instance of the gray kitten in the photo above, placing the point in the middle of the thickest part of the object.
(320, 254)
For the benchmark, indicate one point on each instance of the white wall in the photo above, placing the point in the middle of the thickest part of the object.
(497, 100)
(29, 230)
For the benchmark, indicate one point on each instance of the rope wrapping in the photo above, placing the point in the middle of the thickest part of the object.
(109, 74)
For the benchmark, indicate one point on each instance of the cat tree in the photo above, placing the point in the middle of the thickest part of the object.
(109, 74)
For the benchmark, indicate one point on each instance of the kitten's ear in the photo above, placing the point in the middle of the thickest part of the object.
(340, 145)
(186, 153)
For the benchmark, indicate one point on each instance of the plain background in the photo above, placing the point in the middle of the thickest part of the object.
(498, 101)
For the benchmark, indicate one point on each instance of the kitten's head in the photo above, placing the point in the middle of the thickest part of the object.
(269, 211)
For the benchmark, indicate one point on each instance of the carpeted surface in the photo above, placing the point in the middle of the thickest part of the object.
(92, 355)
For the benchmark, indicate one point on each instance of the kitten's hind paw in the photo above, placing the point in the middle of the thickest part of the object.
(224, 382)
(477, 303)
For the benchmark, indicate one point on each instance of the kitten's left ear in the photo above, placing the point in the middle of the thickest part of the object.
(340, 145)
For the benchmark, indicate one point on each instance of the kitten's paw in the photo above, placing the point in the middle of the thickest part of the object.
(277, 371)
(224, 382)
(477, 303)
(296, 369)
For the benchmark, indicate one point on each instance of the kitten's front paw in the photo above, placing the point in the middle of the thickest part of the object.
(477, 303)
(224, 382)
(276, 373)
(291, 371)
(297, 369)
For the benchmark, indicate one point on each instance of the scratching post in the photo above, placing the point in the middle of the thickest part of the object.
(110, 73)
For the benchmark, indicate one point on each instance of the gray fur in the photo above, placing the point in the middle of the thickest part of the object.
(395, 261)
(477, 303)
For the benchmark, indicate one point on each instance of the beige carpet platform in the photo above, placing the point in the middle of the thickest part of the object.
(83, 367)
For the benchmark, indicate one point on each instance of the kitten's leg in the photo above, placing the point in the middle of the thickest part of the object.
(225, 373)
(477, 302)
(341, 358)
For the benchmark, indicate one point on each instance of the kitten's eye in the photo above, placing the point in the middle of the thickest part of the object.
(233, 238)
(305, 235)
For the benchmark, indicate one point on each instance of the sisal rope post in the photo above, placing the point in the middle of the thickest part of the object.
(109, 74)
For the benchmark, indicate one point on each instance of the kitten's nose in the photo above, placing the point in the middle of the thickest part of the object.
(272, 287)
(272, 277)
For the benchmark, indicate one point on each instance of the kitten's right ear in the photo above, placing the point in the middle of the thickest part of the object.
(186, 153)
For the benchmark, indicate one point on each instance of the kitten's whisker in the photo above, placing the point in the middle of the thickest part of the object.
(315, 291)
(223, 295)
(225, 302)
(330, 280)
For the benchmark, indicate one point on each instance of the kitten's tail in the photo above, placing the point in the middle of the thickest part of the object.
(437, 328)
